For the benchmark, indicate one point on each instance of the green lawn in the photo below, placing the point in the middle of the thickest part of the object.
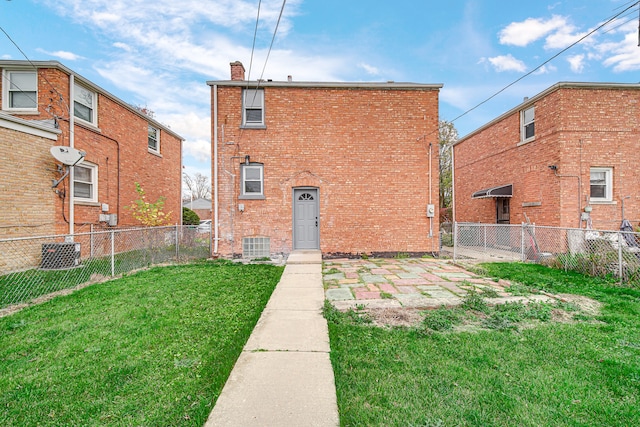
(154, 348)
(580, 373)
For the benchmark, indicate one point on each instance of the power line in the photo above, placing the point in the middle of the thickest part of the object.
(60, 96)
(255, 35)
(614, 17)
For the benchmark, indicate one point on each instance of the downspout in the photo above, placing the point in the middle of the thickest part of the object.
(71, 144)
(215, 169)
(453, 188)
(430, 198)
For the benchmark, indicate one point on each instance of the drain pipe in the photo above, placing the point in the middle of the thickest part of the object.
(71, 168)
(215, 169)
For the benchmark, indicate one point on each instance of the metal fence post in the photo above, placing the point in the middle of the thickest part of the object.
(113, 253)
(522, 242)
(177, 244)
(620, 237)
(455, 240)
(484, 237)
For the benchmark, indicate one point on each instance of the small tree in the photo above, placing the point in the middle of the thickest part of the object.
(447, 135)
(149, 214)
(189, 217)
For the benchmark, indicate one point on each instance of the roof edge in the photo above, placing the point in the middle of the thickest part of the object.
(546, 92)
(58, 65)
(328, 85)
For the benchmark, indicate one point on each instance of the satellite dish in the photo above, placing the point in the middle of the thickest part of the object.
(67, 155)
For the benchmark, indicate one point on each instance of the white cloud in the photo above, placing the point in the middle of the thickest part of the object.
(623, 55)
(576, 62)
(546, 69)
(68, 56)
(370, 69)
(531, 29)
(123, 46)
(507, 63)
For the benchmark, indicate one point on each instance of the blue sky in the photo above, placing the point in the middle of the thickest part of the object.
(160, 53)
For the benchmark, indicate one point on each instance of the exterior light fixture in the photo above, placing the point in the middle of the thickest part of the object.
(246, 160)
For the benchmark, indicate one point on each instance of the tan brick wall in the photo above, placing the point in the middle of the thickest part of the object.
(576, 129)
(119, 147)
(365, 150)
(27, 201)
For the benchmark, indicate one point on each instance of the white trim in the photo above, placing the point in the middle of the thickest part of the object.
(523, 124)
(157, 139)
(608, 189)
(6, 86)
(94, 105)
(252, 195)
(253, 104)
(94, 182)
(28, 126)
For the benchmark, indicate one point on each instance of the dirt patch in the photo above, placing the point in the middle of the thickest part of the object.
(412, 317)
(391, 317)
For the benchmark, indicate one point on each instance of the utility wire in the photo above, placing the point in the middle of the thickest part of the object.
(60, 96)
(547, 61)
(255, 35)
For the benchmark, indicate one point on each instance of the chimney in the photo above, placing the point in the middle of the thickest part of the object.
(237, 71)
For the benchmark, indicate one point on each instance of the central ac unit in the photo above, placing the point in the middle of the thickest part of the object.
(56, 256)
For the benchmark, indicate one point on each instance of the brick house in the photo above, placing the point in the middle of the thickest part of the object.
(566, 157)
(345, 168)
(122, 144)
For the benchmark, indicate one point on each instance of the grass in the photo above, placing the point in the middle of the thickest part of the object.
(153, 348)
(560, 374)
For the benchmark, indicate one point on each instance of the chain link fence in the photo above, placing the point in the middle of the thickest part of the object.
(599, 253)
(31, 267)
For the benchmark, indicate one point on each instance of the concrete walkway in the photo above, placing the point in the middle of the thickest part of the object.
(284, 376)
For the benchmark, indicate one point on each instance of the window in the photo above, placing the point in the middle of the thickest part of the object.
(528, 118)
(22, 91)
(154, 139)
(85, 182)
(601, 185)
(252, 181)
(253, 108)
(84, 104)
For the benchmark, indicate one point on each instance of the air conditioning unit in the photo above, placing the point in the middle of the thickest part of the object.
(57, 256)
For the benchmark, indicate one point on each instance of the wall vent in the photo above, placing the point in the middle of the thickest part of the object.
(256, 247)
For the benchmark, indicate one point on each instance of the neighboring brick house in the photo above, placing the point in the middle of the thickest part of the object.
(567, 157)
(122, 144)
(26, 160)
(346, 168)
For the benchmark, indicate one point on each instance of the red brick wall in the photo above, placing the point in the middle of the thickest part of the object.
(365, 150)
(576, 129)
(119, 147)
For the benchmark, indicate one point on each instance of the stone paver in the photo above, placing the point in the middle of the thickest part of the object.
(411, 283)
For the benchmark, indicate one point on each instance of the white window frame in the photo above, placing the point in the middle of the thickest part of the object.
(254, 194)
(93, 168)
(608, 189)
(253, 99)
(78, 99)
(524, 123)
(7, 89)
(155, 149)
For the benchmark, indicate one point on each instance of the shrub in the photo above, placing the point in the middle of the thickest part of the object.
(189, 217)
